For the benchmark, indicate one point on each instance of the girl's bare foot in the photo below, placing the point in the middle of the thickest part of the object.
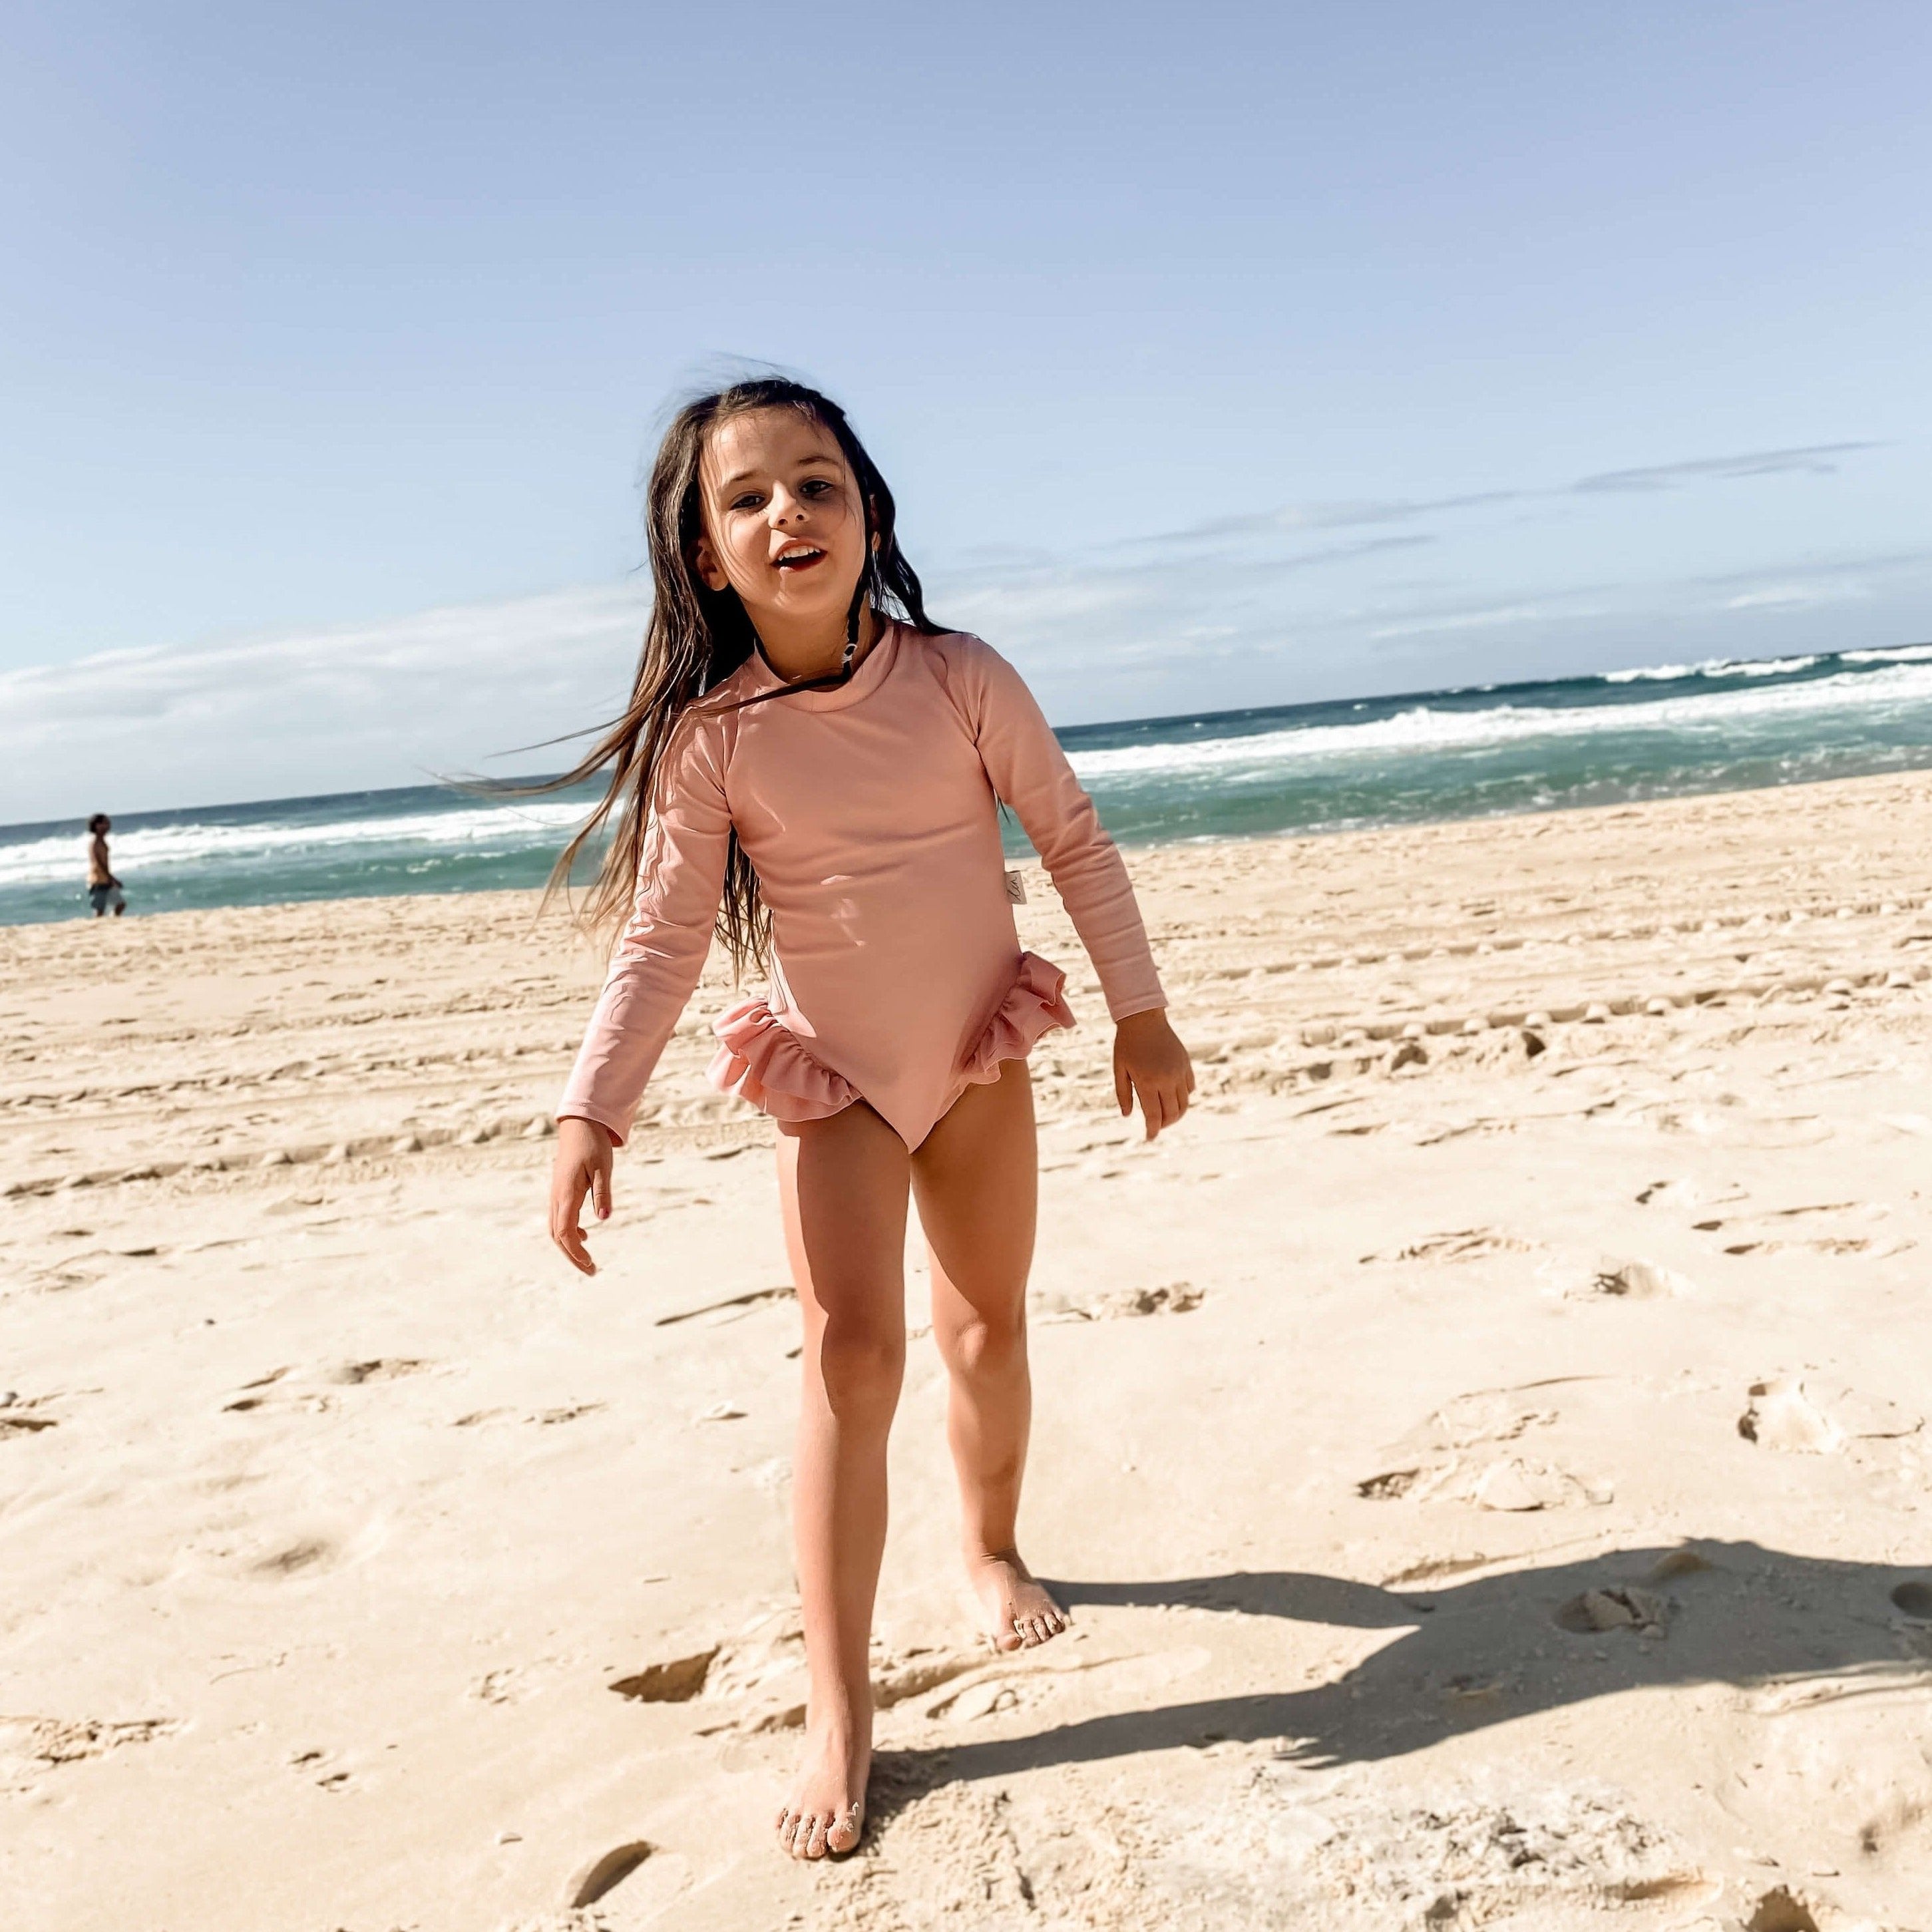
(825, 1812)
(1019, 1611)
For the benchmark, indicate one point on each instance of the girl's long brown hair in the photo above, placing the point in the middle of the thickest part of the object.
(696, 638)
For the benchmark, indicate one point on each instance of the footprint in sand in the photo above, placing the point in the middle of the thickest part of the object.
(1781, 1416)
(17, 1418)
(1849, 1244)
(894, 1683)
(1616, 1606)
(1915, 1599)
(310, 1762)
(53, 1741)
(1433, 1569)
(1437, 1461)
(1392, 1484)
(379, 1368)
(1786, 1413)
(770, 1659)
(1490, 1415)
(1638, 1281)
(311, 1552)
(496, 1686)
(1780, 1909)
(986, 1699)
(767, 1656)
(1178, 1297)
(1578, 1276)
(1772, 1231)
(254, 1395)
(1686, 1193)
(1514, 1485)
(650, 1877)
(1518, 1486)
(676, 1680)
(1456, 1244)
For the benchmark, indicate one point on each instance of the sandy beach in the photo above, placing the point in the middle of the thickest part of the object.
(1483, 1448)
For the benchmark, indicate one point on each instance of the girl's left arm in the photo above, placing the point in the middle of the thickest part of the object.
(1030, 773)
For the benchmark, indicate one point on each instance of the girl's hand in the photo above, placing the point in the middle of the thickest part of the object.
(1149, 1060)
(583, 1166)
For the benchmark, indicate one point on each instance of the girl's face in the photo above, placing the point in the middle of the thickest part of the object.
(784, 525)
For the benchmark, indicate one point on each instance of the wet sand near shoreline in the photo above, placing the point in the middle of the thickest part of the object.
(1484, 1448)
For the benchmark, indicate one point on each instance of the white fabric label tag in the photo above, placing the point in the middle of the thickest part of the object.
(1016, 888)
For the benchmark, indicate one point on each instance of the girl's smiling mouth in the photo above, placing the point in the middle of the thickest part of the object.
(798, 559)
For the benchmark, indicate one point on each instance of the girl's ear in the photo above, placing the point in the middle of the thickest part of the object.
(704, 561)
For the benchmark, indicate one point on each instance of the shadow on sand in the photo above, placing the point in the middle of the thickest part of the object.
(1498, 1648)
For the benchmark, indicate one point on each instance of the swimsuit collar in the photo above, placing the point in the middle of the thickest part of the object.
(872, 672)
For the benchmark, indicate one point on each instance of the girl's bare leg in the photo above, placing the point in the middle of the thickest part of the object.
(843, 1182)
(977, 1177)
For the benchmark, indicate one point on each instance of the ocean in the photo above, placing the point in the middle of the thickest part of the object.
(1660, 732)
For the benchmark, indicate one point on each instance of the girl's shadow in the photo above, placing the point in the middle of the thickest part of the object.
(1497, 1648)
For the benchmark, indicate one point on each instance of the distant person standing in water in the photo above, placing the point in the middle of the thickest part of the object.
(103, 887)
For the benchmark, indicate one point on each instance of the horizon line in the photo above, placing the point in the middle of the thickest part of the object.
(1064, 732)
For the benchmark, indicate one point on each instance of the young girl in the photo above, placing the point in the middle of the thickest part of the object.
(812, 767)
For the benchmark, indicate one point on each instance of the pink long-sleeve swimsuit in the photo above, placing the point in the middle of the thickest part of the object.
(870, 813)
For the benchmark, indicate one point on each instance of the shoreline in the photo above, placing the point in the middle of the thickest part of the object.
(1345, 765)
(1631, 680)
(1129, 844)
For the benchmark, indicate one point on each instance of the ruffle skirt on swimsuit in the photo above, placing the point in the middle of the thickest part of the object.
(761, 1060)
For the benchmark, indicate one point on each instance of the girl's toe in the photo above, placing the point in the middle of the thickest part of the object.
(815, 1843)
(844, 1834)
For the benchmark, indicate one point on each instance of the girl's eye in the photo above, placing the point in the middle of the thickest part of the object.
(817, 487)
(749, 501)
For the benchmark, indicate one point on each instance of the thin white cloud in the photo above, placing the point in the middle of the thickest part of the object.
(1817, 459)
(1820, 459)
(1486, 620)
(1788, 596)
(1296, 518)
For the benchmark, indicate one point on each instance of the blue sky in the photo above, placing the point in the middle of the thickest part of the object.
(1218, 356)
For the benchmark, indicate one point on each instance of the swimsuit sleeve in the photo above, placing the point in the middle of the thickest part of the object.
(1030, 773)
(654, 968)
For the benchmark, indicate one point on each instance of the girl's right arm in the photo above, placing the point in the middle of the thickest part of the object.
(653, 972)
